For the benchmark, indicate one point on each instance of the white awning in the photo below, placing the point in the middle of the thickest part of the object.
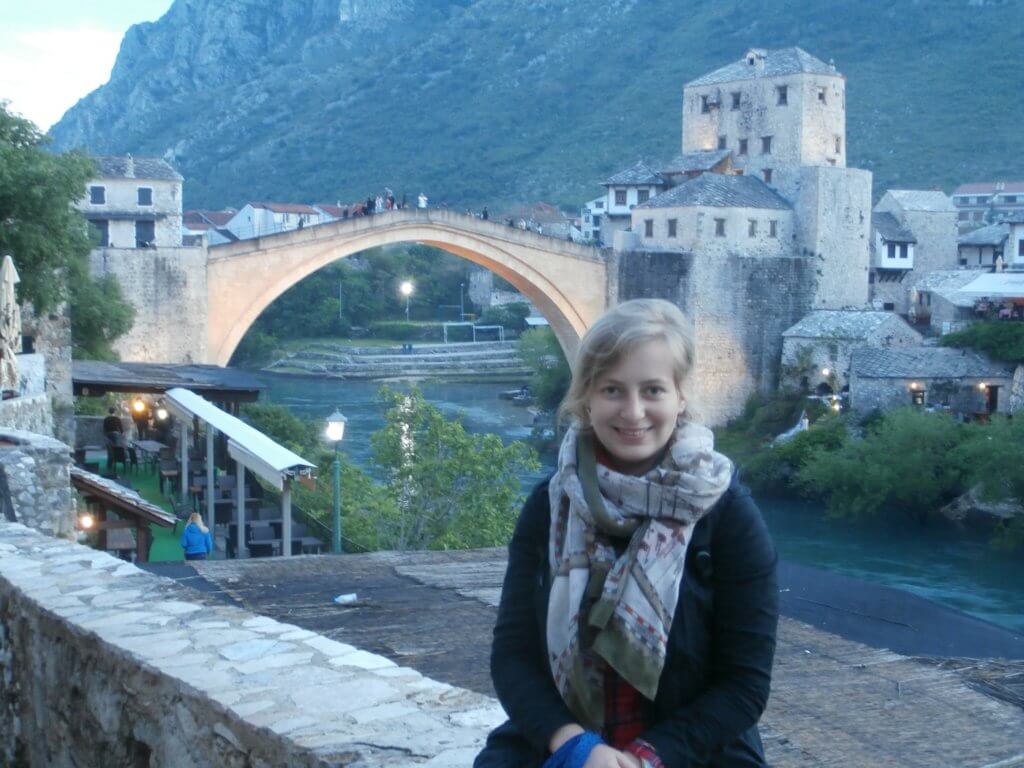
(247, 445)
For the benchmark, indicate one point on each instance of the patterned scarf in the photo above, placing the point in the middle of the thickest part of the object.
(618, 609)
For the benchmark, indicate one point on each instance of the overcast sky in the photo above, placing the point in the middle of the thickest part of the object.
(54, 52)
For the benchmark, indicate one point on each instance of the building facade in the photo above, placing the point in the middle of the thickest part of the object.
(987, 202)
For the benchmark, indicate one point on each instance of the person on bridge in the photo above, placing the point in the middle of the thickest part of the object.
(637, 619)
(421, 201)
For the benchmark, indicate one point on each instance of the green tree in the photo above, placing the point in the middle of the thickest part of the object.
(451, 489)
(541, 351)
(775, 469)
(901, 465)
(49, 239)
(996, 338)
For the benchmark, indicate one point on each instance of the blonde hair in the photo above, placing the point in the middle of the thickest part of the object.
(197, 518)
(616, 334)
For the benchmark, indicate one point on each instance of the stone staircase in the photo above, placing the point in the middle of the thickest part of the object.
(498, 360)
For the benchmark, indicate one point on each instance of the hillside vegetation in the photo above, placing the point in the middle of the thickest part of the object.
(491, 101)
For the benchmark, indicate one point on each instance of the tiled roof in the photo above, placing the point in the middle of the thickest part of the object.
(890, 229)
(840, 324)
(925, 363)
(128, 167)
(196, 219)
(337, 211)
(287, 208)
(782, 61)
(124, 499)
(993, 234)
(990, 188)
(720, 191)
(946, 282)
(696, 161)
(638, 173)
(922, 200)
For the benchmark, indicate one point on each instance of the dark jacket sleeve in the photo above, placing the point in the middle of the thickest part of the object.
(745, 611)
(523, 683)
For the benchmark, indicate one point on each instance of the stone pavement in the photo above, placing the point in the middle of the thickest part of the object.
(834, 702)
(102, 663)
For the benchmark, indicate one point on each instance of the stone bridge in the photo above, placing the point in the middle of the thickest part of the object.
(568, 283)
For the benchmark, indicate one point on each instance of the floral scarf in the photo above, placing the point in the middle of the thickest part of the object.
(618, 609)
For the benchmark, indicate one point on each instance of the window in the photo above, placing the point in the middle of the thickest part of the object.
(587, 218)
(642, 196)
(735, 99)
(904, 248)
(97, 195)
(672, 227)
(597, 222)
(648, 227)
(977, 215)
(888, 306)
(822, 94)
(964, 215)
(766, 145)
(981, 200)
(719, 227)
(705, 105)
(1020, 248)
(773, 228)
(101, 232)
(767, 173)
(917, 396)
(891, 247)
(620, 197)
(145, 233)
(1009, 198)
(743, 146)
(831, 161)
(752, 228)
(600, 204)
(721, 142)
(145, 196)
(783, 92)
(839, 145)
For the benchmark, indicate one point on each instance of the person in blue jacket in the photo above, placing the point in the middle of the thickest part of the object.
(196, 539)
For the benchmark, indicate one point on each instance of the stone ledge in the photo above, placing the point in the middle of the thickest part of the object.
(102, 663)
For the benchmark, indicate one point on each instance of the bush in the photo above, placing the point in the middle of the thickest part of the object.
(512, 316)
(541, 351)
(776, 469)
(399, 330)
(999, 339)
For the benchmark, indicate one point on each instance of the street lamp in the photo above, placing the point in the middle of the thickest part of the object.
(335, 432)
(406, 289)
(462, 306)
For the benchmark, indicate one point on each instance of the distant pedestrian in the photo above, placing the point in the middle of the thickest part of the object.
(422, 200)
(522, 224)
(369, 206)
(378, 204)
(405, 202)
(196, 539)
(483, 214)
(113, 428)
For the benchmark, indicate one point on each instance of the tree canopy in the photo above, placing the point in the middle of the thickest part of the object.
(49, 240)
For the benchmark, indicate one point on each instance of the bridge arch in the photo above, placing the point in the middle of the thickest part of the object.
(567, 282)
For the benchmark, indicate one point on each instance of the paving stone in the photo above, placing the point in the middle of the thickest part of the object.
(362, 660)
(253, 649)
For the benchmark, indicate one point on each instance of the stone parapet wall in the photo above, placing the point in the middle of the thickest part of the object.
(104, 664)
(28, 414)
(52, 337)
(38, 470)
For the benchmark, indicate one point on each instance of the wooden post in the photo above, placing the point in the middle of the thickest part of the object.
(240, 509)
(183, 455)
(286, 518)
(142, 536)
(211, 481)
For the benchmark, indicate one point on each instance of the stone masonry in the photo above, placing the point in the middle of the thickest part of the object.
(38, 478)
(102, 664)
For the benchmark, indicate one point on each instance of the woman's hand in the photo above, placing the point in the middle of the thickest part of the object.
(562, 735)
(603, 756)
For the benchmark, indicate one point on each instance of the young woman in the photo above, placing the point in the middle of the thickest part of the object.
(637, 619)
(196, 539)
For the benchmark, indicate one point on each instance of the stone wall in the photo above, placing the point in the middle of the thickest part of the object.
(696, 230)
(740, 307)
(39, 480)
(102, 664)
(52, 338)
(963, 395)
(167, 287)
(28, 414)
(1015, 401)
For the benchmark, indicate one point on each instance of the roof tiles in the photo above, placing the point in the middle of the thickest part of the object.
(777, 63)
(925, 363)
(716, 190)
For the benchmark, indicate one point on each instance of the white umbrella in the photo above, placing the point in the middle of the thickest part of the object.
(10, 325)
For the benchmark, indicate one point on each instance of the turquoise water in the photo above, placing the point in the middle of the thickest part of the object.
(936, 562)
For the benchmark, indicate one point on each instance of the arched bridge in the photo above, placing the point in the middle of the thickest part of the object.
(567, 282)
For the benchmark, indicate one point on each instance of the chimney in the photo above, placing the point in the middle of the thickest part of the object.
(755, 57)
(129, 166)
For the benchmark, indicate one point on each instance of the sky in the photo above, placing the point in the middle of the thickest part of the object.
(54, 52)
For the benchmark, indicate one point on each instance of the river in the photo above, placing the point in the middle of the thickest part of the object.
(937, 562)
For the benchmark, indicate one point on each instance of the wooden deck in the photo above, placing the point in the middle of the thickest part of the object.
(835, 702)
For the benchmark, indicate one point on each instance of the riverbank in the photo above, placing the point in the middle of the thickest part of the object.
(488, 361)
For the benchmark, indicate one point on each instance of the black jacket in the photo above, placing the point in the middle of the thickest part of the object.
(717, 672)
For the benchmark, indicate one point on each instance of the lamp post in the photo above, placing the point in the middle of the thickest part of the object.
(335, 432)
(406, 289)
(462, 306)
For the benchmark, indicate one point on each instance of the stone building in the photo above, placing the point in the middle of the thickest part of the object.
(960, 380)
(986, 202)
(936, 299)
(624, 191)
(591, 216)
(816, 351)
(921, 224)
(134, 203)
(135, 207)
(984, 247)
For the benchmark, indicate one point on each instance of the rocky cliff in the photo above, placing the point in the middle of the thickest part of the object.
(480, 101)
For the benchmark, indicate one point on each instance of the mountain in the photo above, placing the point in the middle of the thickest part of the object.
(495, 101)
